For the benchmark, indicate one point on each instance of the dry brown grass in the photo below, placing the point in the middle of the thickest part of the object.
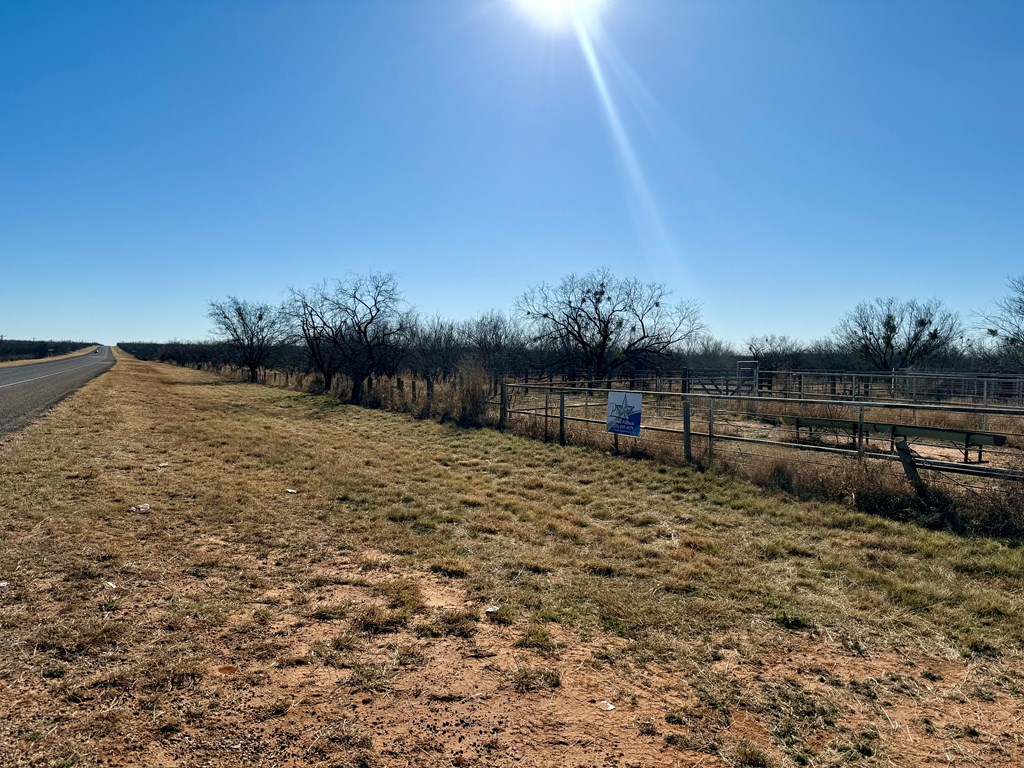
(971, 505)
(236, 623)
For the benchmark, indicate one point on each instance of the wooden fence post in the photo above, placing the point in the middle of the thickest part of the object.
(711, 427)
(503, 415)
(561, 418)
(910, 468)
(687, 446)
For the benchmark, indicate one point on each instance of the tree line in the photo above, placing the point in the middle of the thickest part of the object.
(20, 349)
(592, 326)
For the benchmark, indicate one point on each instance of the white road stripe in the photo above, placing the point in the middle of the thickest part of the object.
(58, 373)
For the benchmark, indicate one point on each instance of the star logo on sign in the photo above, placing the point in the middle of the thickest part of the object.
(622, 412)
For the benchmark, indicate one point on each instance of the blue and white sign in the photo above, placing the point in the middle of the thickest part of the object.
(624, 413)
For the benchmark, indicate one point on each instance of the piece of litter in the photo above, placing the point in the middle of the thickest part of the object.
(607, 706)
(290, 490)
(140, 508)
(227, 669)
(3, 584)
(492, 609)
(111, 585)
(164, 464)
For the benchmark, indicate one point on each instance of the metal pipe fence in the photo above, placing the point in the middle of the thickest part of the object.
(926, 387)
(972, 441)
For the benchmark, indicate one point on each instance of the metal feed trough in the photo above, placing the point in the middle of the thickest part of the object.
(968, 439)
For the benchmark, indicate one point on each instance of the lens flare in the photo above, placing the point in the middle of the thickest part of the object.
(646, 215)
(560, 15)
(582, 19)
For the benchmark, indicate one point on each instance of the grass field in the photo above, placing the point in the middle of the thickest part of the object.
(646, 615)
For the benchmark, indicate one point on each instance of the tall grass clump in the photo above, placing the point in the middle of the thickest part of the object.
(473, 389)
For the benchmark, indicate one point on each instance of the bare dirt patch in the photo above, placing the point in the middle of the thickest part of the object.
(640, 615)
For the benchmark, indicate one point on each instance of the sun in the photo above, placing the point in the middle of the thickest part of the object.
(559, 15)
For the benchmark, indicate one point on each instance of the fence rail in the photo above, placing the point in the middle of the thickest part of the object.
(965, 440)
(924, 387)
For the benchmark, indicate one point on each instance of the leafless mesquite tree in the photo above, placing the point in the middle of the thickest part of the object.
(376, 328)
(603, 323)
(706, 351)
(829, 355)
(496, 341)
(890, 333)
(315, 322)
(1005, 325)
(436, 347)
(775, 352)
(253, 330)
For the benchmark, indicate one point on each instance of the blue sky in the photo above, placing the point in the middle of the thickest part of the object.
(789, 158)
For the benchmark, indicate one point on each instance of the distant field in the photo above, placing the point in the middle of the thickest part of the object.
(28, 360)
(646, 615)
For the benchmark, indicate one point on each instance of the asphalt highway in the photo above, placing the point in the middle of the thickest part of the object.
(28, 390)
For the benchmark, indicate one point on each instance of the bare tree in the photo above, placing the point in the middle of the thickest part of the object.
(890, 333)
(315, 320)
(496, 340)
(707, 351)
(602, 323)
(374, 326)
(252, 330)
(1005, 325)
(436, 346)
(829, 355)
(775, 352)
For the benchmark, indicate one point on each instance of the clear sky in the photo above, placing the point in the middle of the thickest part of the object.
(776, 161)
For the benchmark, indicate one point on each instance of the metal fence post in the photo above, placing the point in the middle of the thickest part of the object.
(984, 403)
(561, 418)
(547, 404)
(687, 446)
(860, 435)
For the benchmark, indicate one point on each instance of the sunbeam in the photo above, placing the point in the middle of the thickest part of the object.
(647, 218)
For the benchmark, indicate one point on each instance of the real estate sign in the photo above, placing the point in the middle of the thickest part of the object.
(624, 413)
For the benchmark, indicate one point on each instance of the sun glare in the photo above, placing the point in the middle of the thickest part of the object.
(580, 18)
(558, 15)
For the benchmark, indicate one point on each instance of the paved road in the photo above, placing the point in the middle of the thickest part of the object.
(28, 390)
